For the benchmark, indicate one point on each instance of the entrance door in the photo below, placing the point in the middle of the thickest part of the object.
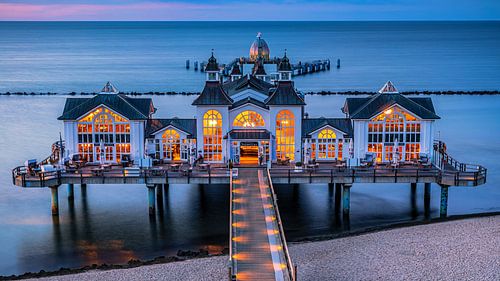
(249, 153)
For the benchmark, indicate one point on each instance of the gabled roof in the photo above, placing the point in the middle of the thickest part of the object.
(186, 125)
(213, 94)
(247, 82)
(249, 100)
(366, 108)
(109, 88)
(388, 88)
(309, 125)
(130, 108)
(285, 94)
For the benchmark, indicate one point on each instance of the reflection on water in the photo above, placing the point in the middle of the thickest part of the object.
(110, 224)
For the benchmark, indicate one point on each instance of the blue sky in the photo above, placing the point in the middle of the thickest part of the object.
(250, 10)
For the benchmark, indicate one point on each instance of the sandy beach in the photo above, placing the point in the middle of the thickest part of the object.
(455, 250)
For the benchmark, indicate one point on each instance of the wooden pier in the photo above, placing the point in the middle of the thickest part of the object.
(444, 171)
(258, 249)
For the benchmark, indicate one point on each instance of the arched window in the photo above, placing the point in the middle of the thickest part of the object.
(248, 119)
(212, 136)
(285, 135)
(393, 127)
(326, 144)
(171, 145)
(103, 125)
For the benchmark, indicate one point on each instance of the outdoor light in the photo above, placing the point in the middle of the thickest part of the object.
(388, 111)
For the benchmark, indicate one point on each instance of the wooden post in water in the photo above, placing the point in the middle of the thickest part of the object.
(71, 192)
(443, 209)
(187, 64)
(55, 200)
(151, 199)
(346, 200)
(427, 200)
(338, 197)
(413, 199)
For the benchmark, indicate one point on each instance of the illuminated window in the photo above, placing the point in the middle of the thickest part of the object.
(212, 136)
(107, 126)
(248, 119)
(171, 145)
(285, 135)
(326, 146)
(391, 127)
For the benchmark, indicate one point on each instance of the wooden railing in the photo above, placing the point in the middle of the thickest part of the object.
(450, 167)
(117, 172)
(291, 269)
(232, 262)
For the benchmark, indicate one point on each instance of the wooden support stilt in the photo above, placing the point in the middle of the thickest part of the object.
(427, 200)
(413, 199)
(346, 199)
(55, 200)
(338, 197)
(71, 192)
(443, 209)
(151, 199)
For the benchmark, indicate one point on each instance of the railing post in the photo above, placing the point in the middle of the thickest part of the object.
(209, 175)
(289, 175)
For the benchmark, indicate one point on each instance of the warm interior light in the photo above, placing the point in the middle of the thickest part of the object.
(388, 111)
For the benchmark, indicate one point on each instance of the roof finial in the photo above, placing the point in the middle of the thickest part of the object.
(259, 34)
(285, 52)
(212, 52)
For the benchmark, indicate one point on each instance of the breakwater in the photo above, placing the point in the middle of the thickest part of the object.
(320, 93)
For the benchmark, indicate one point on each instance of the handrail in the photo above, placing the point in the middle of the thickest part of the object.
(291, 268)
(232, 262)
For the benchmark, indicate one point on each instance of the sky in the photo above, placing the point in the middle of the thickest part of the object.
(248, 10)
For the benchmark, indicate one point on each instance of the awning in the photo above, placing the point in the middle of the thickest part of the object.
(249, 134)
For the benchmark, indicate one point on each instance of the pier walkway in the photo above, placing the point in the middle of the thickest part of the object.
(258, 249)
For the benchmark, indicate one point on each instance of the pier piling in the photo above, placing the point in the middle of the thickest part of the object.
(427, 200)
(55, 200)
(443, 209)
(187, 64)
(413, 199)
(338, 197)
(71, 192)
(346, 200)
(151, 199)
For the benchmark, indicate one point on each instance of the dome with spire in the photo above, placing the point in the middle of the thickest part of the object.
(259, 49)
(212, 64)
(285, 64)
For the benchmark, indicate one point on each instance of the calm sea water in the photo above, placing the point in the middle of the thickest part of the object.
(64, 57)
(111, 223)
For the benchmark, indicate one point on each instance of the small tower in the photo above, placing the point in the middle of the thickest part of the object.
(212, 68)
(285, 69)
(259, 71)
(109, 89)
(236, 72)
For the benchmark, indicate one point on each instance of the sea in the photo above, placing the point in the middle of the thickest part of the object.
(110, 224)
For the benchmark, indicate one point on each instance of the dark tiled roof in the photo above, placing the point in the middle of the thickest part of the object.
(249, 100)
(186, 125)
(310, 125)
(247, 82)
(236, 69)
(259, 69)
(366, 108)
(285, 64)
(212, 64)
(130, 108)
(249, 134)
(285, 94)
(213, 94)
